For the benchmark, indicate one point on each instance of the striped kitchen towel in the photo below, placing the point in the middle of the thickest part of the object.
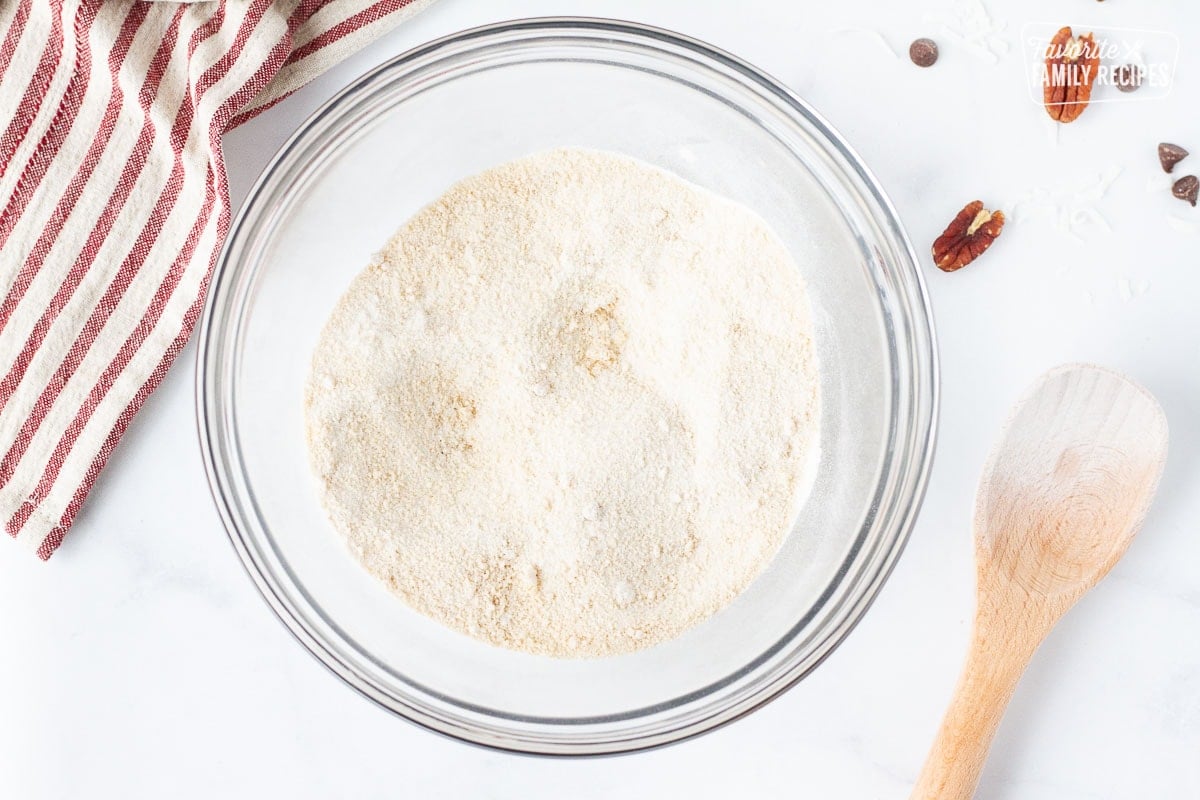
(115, 204)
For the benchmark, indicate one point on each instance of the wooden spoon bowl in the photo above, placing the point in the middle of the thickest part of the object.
(1062, 495)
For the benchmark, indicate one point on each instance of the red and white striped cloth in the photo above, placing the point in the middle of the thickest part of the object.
(115, 204)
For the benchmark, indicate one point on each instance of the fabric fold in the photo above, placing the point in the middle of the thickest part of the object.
(115, 205)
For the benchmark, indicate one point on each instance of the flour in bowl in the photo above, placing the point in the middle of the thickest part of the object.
(570, 408)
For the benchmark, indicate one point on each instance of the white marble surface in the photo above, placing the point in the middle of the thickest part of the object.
(140, 662)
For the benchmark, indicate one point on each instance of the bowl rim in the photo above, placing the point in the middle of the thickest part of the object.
(925, 416)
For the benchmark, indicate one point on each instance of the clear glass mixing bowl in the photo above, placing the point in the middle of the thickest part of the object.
(392, 142)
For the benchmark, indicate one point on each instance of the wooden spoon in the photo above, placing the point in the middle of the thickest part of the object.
(1061, 497)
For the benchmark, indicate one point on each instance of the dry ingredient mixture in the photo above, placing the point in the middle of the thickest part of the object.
(570, 408)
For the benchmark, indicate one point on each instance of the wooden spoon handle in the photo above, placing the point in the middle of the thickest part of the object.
(994, 665)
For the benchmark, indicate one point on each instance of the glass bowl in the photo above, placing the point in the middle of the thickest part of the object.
(396, 139)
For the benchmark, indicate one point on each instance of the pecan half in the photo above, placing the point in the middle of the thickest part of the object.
(965, 239)
(1071, 65)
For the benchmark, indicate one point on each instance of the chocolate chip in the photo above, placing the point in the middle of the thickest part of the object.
(1187, 188)
(1129, 77)
(1169, 155)
(923, 52)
